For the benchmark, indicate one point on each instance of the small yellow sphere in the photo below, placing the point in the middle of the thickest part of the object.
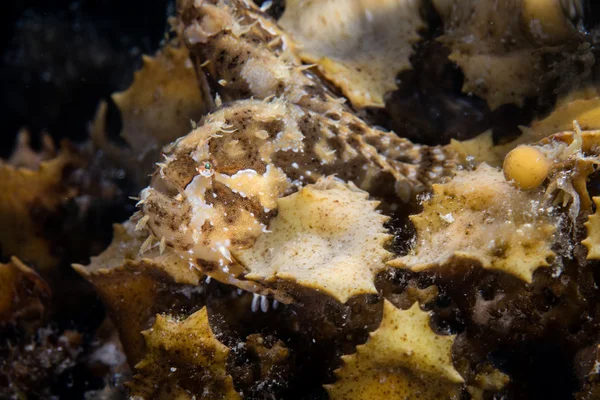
(526, 167)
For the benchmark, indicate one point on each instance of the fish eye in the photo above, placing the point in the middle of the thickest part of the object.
(206, 169)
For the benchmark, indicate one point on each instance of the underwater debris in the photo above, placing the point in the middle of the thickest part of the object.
(33, 367)
(502, 47)
(591, 376)
(270, 362)
(23, 293)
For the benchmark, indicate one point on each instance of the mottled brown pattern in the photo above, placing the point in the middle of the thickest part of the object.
(253, 37)
(281, 129)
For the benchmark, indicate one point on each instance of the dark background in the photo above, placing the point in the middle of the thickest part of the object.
(59, 58)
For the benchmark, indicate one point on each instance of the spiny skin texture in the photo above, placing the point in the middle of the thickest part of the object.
(247, 55)
(520, 232)
(187, 349)
(327, 237)
(480, 218)
(255, 152)
(217, 188)
(403, 358)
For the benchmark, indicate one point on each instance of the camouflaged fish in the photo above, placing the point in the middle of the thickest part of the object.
(280, 129)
